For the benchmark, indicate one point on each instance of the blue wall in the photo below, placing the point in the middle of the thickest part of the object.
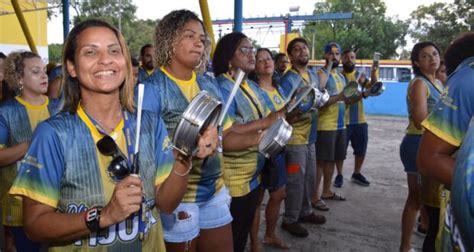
(391, 102)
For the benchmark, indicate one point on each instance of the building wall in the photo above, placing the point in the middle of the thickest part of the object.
(11, 35)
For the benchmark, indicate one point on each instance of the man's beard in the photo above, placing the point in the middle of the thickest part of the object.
(148, 65)
(303, 61)
(348, 68)
(335, 64)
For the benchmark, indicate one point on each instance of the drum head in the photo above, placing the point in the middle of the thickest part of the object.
(304, 97)
(377, 88)
(351, 90)
(275, 138)
(203, 111)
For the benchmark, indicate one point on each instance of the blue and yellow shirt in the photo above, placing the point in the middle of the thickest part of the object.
(304, 128)
(449, 119)
(355, 113)
(460, 222)
(273, 99)
(433, 93)
(169, 97)
(18, 120)
(242, 168)
(143, 74)
(331, 118)
(64, 170)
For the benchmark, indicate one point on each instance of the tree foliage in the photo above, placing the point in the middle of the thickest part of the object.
(55, 52)
(442, 22)
(369, 30)
(137, 32)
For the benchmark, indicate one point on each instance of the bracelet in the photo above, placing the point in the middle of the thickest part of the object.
(184, 173)
(181, 160)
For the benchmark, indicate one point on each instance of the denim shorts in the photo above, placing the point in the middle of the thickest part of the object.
(274, 172)
(210, 214)
(408, 150)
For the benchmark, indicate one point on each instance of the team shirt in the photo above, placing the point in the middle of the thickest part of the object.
(331, 118)
(242, 168)
(273, 99)
(64, 170)
(355, 112)
(143, 74)
(433, 94)
(460, 218)
(304, 129)
(169, 97)
(449, 120)
(18, 120)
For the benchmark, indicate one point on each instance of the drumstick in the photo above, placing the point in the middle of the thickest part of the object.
(238, 80)
(141, 90)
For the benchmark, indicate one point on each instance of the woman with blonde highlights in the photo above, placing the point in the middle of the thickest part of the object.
(79, 189)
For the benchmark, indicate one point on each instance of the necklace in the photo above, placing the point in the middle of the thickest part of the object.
(103, 125)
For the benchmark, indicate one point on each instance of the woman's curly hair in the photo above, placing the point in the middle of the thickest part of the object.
(15, 67)
(168, 32)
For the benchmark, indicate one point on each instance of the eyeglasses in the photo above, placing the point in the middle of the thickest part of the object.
(118, 168)
(246, 51)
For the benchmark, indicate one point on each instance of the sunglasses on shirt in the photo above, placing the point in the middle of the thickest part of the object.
(118, 168)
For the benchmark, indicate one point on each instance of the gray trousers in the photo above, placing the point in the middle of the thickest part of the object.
(301, 168)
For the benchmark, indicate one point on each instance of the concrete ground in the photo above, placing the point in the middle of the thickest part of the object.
(370, 219)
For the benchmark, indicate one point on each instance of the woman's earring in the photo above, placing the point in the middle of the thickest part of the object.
(199, 64)
(20, 87)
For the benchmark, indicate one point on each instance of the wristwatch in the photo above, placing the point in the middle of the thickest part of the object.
(92, 219)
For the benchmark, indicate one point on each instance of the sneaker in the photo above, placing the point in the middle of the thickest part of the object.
(338, 181)
(313, 218)
(360, 179)
(295, 229)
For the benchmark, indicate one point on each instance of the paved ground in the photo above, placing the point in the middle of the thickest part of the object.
(370, 219)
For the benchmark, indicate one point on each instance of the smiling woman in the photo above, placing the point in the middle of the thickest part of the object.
(70, 199)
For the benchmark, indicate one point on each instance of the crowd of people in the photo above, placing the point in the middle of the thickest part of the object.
(72, 180)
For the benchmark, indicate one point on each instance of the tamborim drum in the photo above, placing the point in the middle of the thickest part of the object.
(203, 111)
(377, 89)
(303, 99)
(320, 98)
(276, 138)
(352, 90)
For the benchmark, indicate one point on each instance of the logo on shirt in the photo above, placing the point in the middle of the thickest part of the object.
(277, 99)
(125, 231)
(166, 143)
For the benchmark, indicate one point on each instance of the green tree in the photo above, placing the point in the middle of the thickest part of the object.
(137, 32)
(442, 22)
(369, 30)
(55, 52)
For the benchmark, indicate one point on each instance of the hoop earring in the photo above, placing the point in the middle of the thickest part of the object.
(199, 64)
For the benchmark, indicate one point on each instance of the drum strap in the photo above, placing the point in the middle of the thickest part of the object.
(260, 115)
